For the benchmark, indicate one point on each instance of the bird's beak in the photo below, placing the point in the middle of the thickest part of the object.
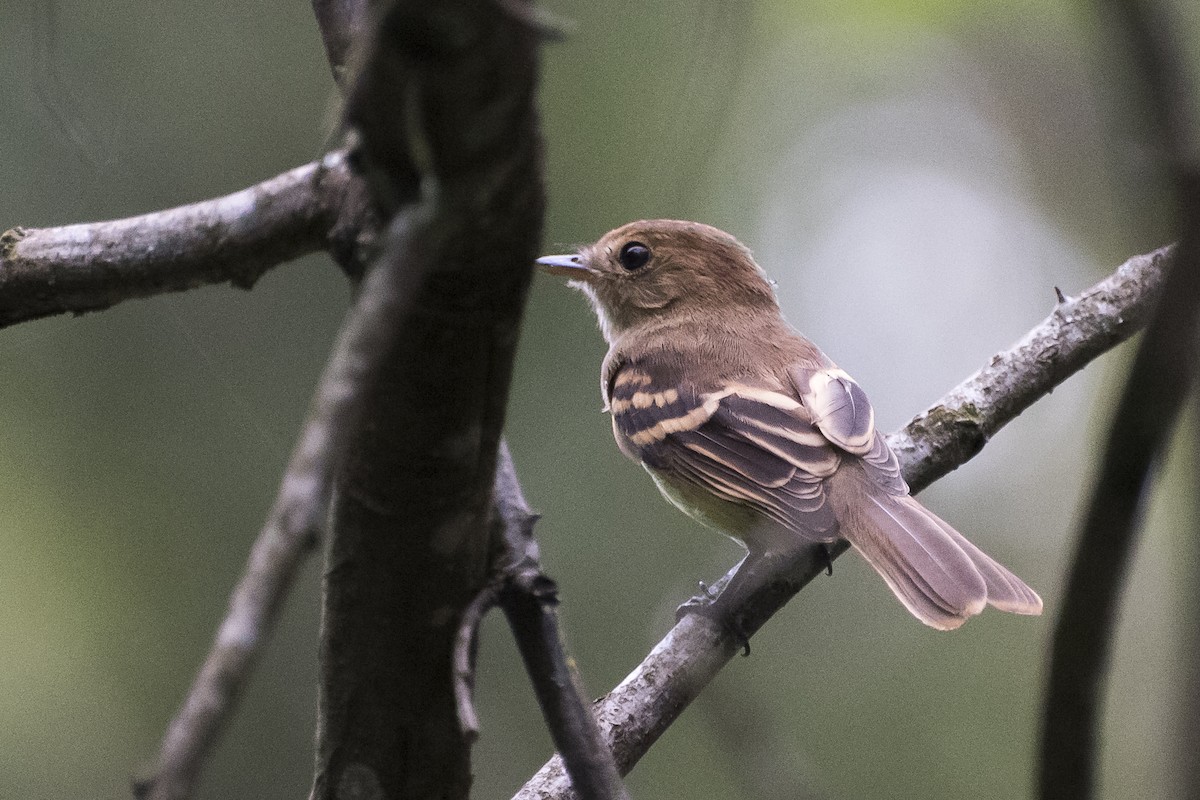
(571, 266)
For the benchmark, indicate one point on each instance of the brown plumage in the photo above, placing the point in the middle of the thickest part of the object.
(748, 427)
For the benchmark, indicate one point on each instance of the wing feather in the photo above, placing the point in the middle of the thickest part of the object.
(745, 444)
(840, 408)
(764, 451)
(843, 414)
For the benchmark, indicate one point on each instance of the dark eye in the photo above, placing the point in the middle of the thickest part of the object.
(634, 256)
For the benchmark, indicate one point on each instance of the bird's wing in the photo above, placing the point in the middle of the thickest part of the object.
(744, 444)
(841, 411)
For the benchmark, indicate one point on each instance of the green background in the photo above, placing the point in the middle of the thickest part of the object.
(918, 177)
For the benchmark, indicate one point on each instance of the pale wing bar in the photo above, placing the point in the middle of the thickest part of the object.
(745, 444)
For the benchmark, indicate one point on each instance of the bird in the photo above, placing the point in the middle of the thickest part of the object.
(749, 428)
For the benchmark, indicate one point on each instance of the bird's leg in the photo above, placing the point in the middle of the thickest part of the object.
(757, 572)
(700, 600)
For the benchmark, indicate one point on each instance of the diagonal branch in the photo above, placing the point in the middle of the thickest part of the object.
(290, 533)
(347, 227)
(643, 706)
(1080, 329)
(234, 239)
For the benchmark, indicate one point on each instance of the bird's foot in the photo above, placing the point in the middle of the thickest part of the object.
(697, 603)
(706, 604)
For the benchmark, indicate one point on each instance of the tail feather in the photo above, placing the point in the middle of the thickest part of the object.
(1005, 591)
(926, 570)
(906, 581)
(939, 576)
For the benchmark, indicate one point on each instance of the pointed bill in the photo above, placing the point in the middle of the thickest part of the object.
(571, 266)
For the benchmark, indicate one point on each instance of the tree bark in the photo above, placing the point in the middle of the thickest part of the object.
(444, 108)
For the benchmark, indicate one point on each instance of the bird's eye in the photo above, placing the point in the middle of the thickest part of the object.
(634, 256)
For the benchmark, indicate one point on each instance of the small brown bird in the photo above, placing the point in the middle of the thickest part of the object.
(749, 428)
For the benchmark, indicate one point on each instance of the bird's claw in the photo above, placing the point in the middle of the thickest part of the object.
(827, 556)
(704, 604)
(697, 603)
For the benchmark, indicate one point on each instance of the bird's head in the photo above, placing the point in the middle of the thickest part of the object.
(644, 271)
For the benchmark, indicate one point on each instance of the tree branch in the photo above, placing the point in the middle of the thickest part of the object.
(643, 706)
(529, 598)
(1159, 381)
(235, 239)
(1162, 376)
(294, 523)
(444, 107)
(954, 430)
(342, 23)
(291, 531)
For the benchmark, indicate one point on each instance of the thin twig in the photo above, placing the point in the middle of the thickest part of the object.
(643, 706)
(466, 644)
(347, 228)
(529, 599)
(291, 531)
(234, 239)
(1159, 382)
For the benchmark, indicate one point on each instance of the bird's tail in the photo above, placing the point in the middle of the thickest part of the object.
(933, 570)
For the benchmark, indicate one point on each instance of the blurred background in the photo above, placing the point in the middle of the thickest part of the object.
(918, 177)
